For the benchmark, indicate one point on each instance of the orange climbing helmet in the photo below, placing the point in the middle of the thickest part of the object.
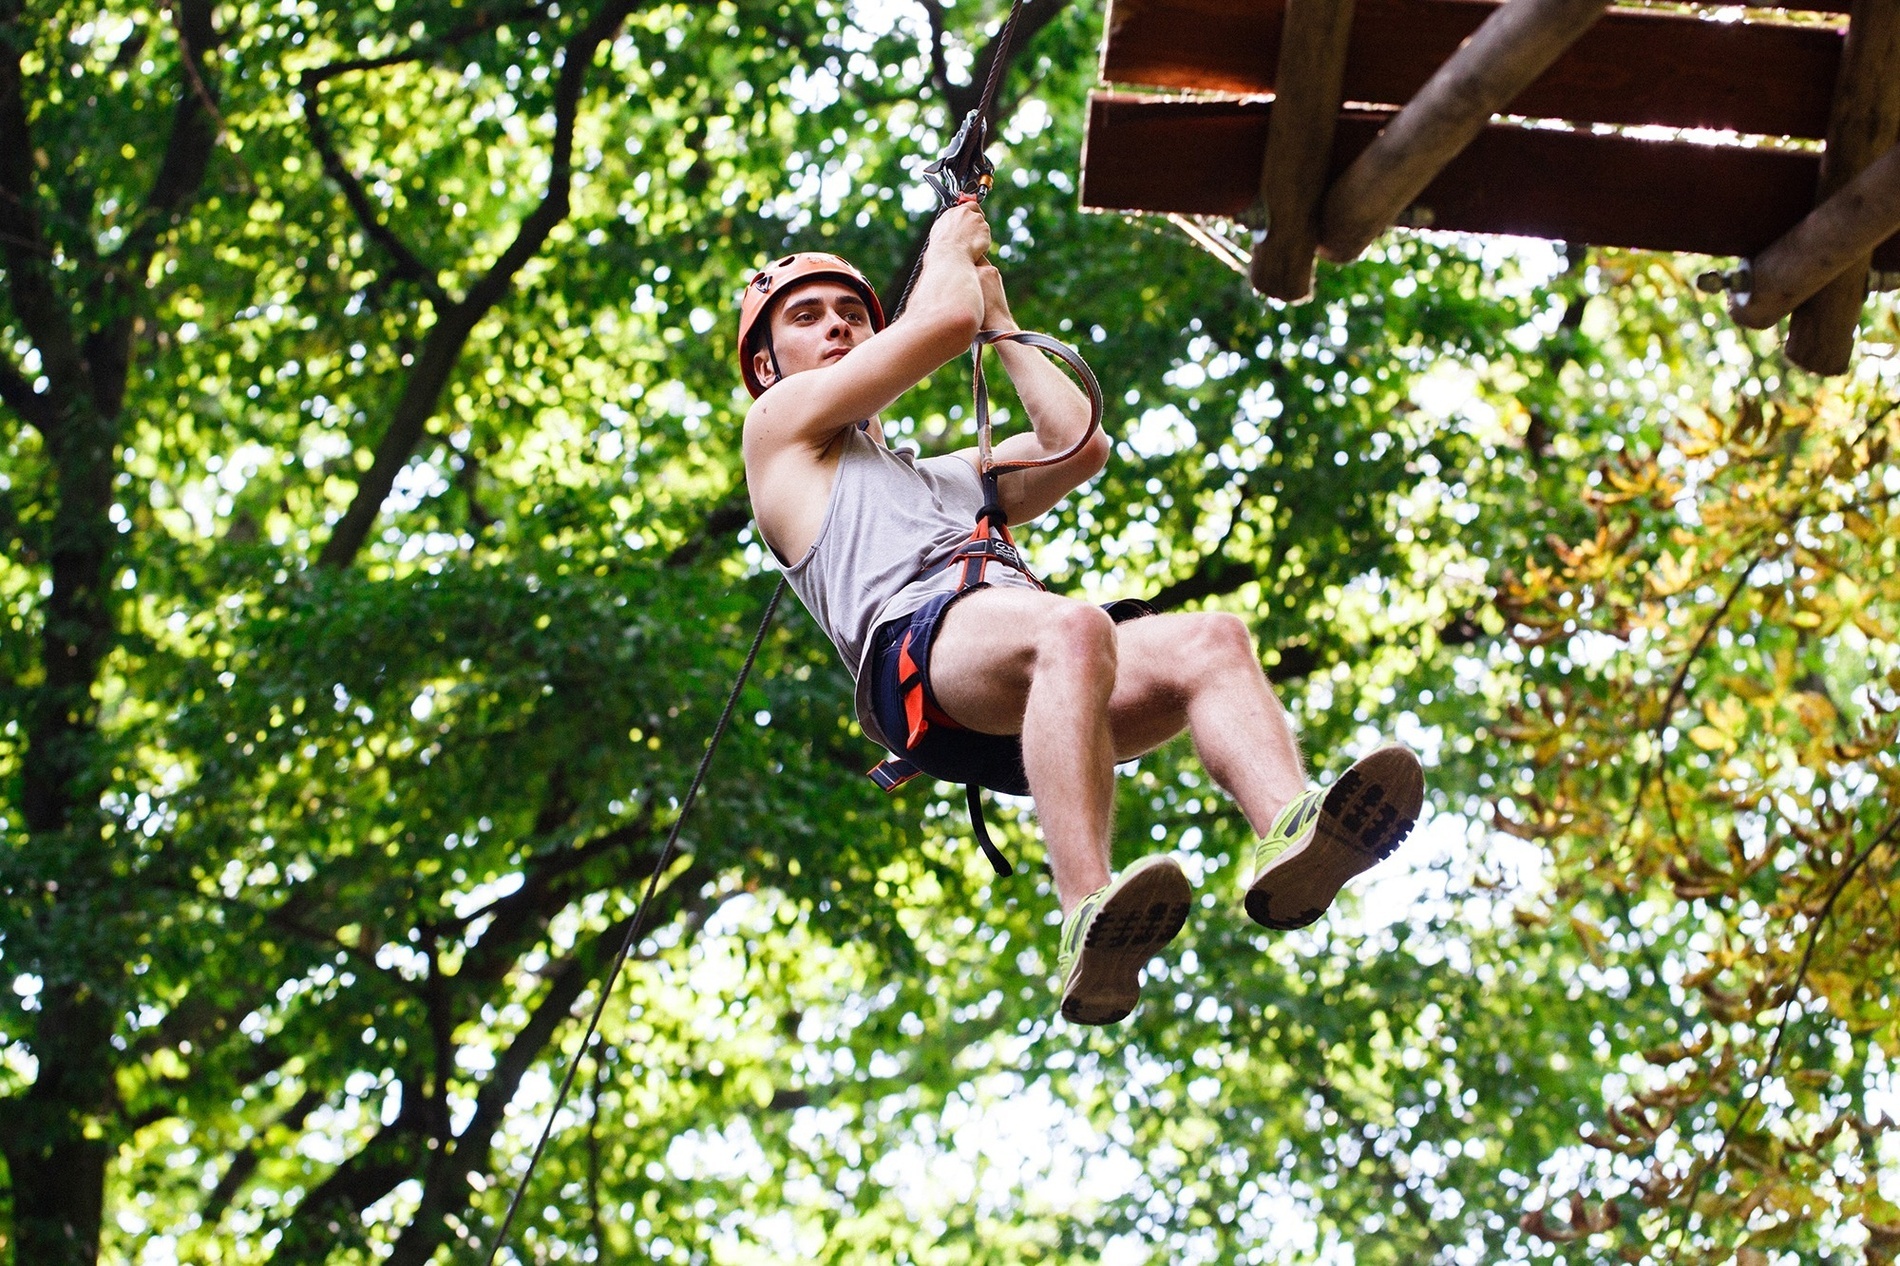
(779, 276)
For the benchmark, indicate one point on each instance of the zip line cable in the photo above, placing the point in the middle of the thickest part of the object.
(964, 173)
(632, 936)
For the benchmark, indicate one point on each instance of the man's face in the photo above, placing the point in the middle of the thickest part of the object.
(814, 325)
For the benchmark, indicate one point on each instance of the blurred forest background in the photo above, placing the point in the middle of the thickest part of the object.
(376, 561)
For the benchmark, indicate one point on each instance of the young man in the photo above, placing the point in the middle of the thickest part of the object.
(1015, 681)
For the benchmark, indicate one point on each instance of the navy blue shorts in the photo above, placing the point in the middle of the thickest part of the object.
(953, 754)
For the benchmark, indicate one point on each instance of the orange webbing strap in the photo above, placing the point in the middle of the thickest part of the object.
(920, 711)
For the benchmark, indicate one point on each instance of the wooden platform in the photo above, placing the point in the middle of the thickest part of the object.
(1771, 79)
(1203, 158)
(1758, 79)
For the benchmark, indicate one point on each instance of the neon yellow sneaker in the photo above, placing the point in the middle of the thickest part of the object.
(1108, 938)
(1327, 836)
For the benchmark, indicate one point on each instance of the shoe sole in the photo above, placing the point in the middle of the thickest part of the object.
(1131, 927)
(1365, 816)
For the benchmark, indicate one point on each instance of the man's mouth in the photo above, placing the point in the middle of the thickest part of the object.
(835, 353)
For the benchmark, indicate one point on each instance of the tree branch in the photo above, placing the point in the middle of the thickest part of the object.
(1751, 1096)
(118, 280)
(541, 895)
(939, 65)
(34, 407)
(194, 132)
(445, 1188)
(245, 1163)
(31, 287)
(442, 347)
(408, 266)
(964, 98)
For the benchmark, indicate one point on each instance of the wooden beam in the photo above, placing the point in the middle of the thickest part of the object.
(1516, 43)
(1300, 144)
(1667, 69)
(1199, 158)
(1865, 123)
(1838, 235)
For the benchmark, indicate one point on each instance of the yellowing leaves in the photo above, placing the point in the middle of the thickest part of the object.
(1867, 622)
(1672, 574)
(1816, 710)
(1727, 722)
(1710, 739)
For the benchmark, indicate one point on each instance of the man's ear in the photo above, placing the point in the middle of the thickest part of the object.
(762, 367)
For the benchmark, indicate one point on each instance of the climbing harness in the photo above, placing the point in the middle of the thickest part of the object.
(989, 543)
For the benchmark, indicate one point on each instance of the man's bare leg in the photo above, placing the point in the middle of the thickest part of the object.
(1012, 661)
(1199, 672)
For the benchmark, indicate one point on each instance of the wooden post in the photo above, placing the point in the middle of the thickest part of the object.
(1838, 235)
(1307, 89)
(1515, 45)
(1864, 123)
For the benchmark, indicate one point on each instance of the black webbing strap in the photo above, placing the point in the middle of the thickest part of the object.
(973, 797)
(892, 772)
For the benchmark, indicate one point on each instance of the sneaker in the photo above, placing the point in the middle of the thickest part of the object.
(1109, 937)
(1326, 836)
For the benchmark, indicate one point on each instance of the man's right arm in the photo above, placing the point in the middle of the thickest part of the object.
(809, 409)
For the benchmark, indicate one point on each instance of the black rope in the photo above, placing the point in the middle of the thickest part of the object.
(632, 936)
(954, 176)
(1005, 49)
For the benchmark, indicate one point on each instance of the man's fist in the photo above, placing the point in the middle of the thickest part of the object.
(962, 230)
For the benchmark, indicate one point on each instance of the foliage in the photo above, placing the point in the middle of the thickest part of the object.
(376, 564)
(1709, 733)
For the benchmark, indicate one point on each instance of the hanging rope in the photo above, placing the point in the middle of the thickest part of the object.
(632, 937)
(964, 172)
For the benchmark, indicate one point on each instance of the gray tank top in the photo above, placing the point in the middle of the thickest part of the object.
(890, 517)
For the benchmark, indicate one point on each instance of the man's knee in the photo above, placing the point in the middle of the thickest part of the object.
(1226, 636)
(1082, 634)
(1207, 641)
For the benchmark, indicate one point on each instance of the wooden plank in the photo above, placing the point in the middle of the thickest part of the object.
(1299, 144)
(1199, 158)
(1865, 123)
(1516, 44)
(1836, 237)
(1631, 68)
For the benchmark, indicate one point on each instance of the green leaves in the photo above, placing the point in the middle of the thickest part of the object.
(309, 871)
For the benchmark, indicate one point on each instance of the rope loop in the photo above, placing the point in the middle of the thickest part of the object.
(1049, 347)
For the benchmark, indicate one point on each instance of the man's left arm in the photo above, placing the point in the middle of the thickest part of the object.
(1058, 415)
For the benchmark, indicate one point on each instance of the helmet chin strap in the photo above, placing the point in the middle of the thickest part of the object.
(771, 353)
